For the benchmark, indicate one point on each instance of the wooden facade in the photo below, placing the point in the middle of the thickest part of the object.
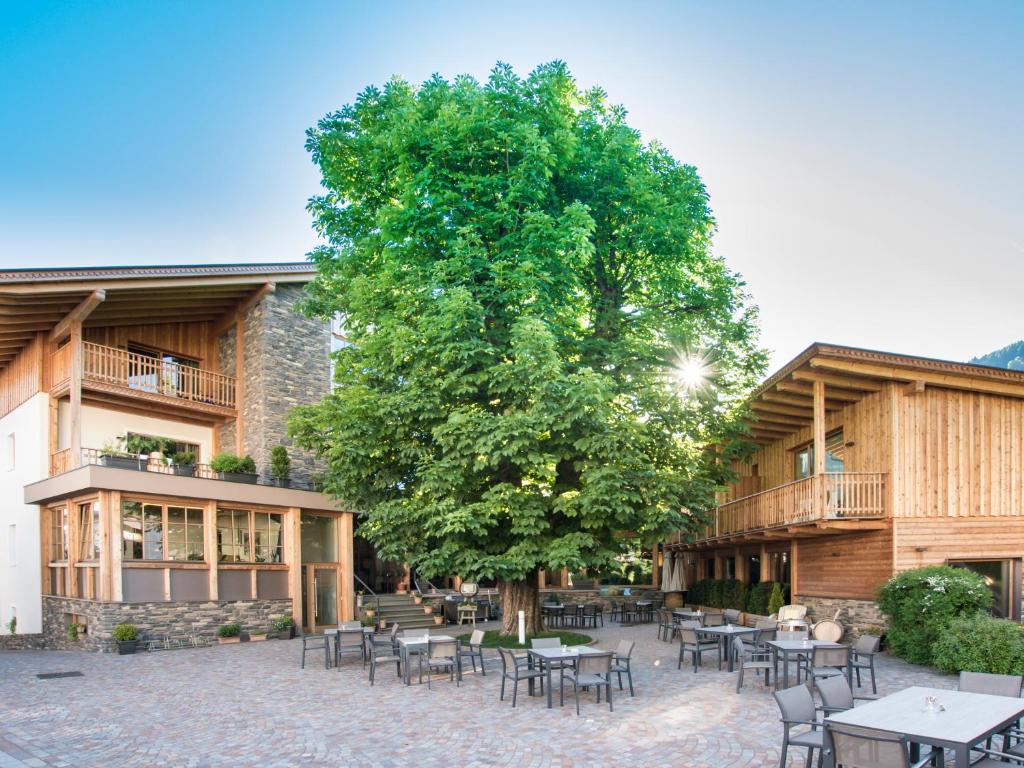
(867, 464)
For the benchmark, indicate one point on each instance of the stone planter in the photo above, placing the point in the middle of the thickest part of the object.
(127, 647)
(287, 633)
(238, 477)
(121, 462)
(257, 637)
(185, 470)
(228, 640)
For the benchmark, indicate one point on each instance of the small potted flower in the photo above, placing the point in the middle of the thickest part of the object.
(127, 637)
(285, 627)
(438, 619)
(417, 598)
(229, 633)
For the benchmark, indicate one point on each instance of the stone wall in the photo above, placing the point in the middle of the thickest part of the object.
(595, 597)
(856, 616)
(177, 619)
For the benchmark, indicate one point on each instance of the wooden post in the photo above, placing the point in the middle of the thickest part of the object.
(74, 547)
(76, 393)
(210, 547)
(739, 565)
(240, 384)
(655, 571)
(105, 545)
(542, 579)
(347, 561)
(766, 567)
(116, 553)
(819, 447)
(794, 570)
(293, 557)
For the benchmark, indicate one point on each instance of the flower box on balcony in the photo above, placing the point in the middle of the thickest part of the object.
(238, 477)
(121, 462)
(234, 468)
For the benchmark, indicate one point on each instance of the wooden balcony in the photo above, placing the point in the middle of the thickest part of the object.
(127, 378)
(834, 501)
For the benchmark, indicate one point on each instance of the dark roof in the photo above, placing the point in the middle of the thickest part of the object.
(8, 276)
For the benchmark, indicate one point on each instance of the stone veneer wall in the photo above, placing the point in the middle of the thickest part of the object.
(287, 363)
(594, 596)
(857, 615)
(179, 619)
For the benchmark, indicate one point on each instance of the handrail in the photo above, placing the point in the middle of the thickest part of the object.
(368, 588)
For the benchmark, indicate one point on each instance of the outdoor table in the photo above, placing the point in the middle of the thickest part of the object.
(785, 648)
(418, 644)
(967, 718)
(644, 611)
(689, 615)
(571, 653)
(724, 635)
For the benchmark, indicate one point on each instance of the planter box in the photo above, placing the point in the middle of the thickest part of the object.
(127, 647)
(185, 470)
(122, 462)
(228, 640)
(286, 634)
(238, 477)
(282, 482)
(257, 637)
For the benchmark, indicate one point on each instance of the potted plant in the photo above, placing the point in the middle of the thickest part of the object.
(428, 609)
(228, 466)
(229, 633)
(368, 621)
(438, 619)
(280, 466)
(285, 627)
(184, 463)
(417, 598)
(112, 454)
(72, 632)
(12, 625)
(258, 636)
(127, 637)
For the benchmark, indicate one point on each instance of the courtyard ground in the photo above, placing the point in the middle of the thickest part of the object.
(251, 705)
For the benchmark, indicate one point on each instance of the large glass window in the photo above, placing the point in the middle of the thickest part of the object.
(184, 533)
(998, 575)
(835, 456)
(267, 537)
(89, 530)
(249, 537)
(319, 539)
(159, 532)
(59, 534)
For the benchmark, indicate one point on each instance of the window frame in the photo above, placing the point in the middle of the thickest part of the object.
(808, 448)
(89, 531)
(163, 506)
(251, 535)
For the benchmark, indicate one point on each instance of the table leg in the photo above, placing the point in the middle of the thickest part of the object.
(785, 669)
(775, 667)
(963, 755)
(549, 665)
(530, 687)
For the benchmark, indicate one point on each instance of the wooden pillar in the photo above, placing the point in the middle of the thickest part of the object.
(766, 565)
(75, 341)
(74, 547)
(739, 565)
(819, 447)
(794, 570)
(347, 560)
(106, 542)
(542, 579)
(719, 567)
(116, 553)
(240, 384)
(655, 570)
(210, 547)
(293, 557)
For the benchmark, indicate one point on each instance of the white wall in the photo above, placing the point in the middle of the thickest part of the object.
(100, 426)
(20, 588)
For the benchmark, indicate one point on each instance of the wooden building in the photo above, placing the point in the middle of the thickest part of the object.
(868, 464)
(188, 360)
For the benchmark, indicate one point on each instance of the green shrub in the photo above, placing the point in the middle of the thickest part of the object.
(715, 593)
(280, 463)
(980, 643)
(698, 592)
(229, 462)
(776, 599)
(734, 594)
(184, 458)
(126, 632)
(229, 630)
(283, 622)
(757, 600)
(72, 632)
(920, 603)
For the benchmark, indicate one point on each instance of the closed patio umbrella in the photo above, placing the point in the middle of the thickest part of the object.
(666, 569)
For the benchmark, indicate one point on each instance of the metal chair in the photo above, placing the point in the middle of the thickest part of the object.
(385, 656)
(314, 642)
(666, 625)
(751, 658)
(867, 748)
(589, 616)
(732, 616)
(993, 685)
(474, 650)
(796, 706)
(827, 662)
(620, 663)
(516, 669)
(836, 694)
(792, 634)
(349, 641)
(714, 619)
(863, 657)
(444, 655)
(690, 641)
(591, 670)
(765, 631)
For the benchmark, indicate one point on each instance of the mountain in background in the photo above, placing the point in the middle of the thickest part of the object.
(1010, 356)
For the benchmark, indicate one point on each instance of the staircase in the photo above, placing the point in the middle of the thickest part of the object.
(403, 609)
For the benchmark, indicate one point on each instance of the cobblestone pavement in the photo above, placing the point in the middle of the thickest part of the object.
(251, 704)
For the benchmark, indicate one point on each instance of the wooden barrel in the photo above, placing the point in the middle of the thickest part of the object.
(673, 599)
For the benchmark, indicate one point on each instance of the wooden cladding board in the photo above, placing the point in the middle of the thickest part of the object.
(849, 566)
(924, 541)
(865, 423)
(186, 339)
(960, 454)
(22, 377)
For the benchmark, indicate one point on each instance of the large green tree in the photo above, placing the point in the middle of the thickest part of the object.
(542, 348)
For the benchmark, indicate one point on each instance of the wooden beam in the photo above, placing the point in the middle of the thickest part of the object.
(819, 447)
(785, 410)
(210, 548)
(948, 380)
(293, 557)
(76, 393)
(347, 563)
(914, 388)
(845, 382)
(116, 555)
(78, 314)
(807, 390)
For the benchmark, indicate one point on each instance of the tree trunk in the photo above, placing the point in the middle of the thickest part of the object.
(519, 596)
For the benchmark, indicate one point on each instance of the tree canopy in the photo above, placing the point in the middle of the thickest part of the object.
(541, 346)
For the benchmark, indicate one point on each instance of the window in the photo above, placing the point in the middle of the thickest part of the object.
(89, 528)
(753, 569)
(249, 537)
(139, 443)
(9, 459)
(12, 544)
(155, 371)
(160, 532)
(1000, 579)
(59, 534)
(319, 539)
(267, 536)
(835, 456)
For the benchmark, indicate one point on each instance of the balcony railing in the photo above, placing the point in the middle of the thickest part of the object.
(109, 368)
(832, 496)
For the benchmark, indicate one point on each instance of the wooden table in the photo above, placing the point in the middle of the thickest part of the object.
(785, 648)
(551, 656)
(418, 644)
(968, 718)
(724, 635)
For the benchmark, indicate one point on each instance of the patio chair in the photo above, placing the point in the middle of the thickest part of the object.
(349, 641)
(792, 612)
(380, 654)
(444, 655)
(666, 625)
(628, 612)
(350, 625)
(827, 662)
(621, 660)
(751, 658)
(554, 615)
(590, 615)
(571, 615)
(837, 696)
(474, 650)
(792, 634)
(591, 670)
(691, 642)
(867, 748)
(714, 619)
(993, 685)
(732, 616)
(796, 707)
(765, 632)
(314, 642)
(863, 657)
(516, 669)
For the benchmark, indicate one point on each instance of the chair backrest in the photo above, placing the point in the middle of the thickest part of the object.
(350, 638)
(350, 625)
(714, 620)
(866, 748)
(508, 659)
(594, 663)
(415, 632)
(830, 657)
(625, 649)
(828, 630)
(438, 649)
(545, 642)
(739, 647)
(394, 632)
(732, 615)
(689, 624)
(787, 612)
(477, 637)
(791, 634)
(867, 644)
(590, 610)
(795, 703)
(835, 693)
(994, 685)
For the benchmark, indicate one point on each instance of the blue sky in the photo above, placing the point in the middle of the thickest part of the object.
(865, 161)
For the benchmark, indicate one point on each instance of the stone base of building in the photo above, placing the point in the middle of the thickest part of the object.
(858, 616)
(18, 642)
(596, 597)
(180, 619)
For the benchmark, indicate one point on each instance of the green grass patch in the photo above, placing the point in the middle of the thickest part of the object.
(493, 639)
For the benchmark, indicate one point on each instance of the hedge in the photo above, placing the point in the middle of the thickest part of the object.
(980, 643)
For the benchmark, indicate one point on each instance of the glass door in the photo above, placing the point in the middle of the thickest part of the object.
(325, 597)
